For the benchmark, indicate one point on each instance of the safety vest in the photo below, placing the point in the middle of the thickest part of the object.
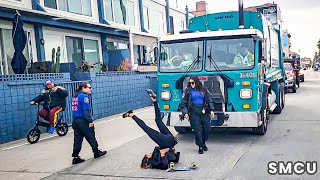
(248, 59)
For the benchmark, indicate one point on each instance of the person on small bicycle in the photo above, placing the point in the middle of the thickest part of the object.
(54, 102)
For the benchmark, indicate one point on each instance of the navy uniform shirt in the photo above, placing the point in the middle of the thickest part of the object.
(80, 103)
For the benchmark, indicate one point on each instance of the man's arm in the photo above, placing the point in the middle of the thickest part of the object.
(86, 109)
(38, 99)
(184, 102)
(237, 60)
(62, 91)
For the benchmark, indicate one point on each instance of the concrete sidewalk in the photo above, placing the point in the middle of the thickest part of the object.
(53, 153)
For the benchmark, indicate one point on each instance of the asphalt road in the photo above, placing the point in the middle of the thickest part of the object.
(233, 153)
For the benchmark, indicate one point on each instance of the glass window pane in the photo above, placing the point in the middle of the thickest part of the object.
(145, 17)
(154, 20)
(74, 6)
(62, 5)
(9, 50)
(122, 46)
(130, 14)
(74, 50)
(108, 9)
(136, 54)
(53, 41)
(86, 5)
(50, 4)
(120, 11)
(91, 52)
(180, 56)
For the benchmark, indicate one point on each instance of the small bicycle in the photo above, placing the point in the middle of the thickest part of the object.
(34, 133)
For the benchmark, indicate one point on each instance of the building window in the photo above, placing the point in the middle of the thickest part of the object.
(145, 17)
(152, 19)
(143, 55)
(79, 49)
(7, 50)
(120, 11)
(91, 53)
(178, 25)
(53, 41)
(82, 8)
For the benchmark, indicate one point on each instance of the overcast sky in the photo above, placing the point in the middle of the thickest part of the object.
(300, 17)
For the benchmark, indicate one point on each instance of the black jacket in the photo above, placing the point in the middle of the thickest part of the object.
(158, 162)
(186, 102)
(52, 99)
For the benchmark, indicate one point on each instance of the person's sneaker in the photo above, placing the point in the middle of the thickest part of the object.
(77, 160)
(51, 130)
(124, 115)
(99, 154)
(151, 93)
(205, 148)
(200, 150)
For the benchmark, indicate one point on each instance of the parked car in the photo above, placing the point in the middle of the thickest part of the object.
(291, 77)
(301, 74)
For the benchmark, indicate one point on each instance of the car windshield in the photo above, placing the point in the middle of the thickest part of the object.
(287, 66)
(181, 56)
(230, 54)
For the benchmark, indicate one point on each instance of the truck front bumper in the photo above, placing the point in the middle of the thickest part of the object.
(227, 119)
(290, 83)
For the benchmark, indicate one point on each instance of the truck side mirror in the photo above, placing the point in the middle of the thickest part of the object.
(264, 50)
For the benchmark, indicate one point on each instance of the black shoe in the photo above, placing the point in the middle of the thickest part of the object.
(77, 160)
(151, 93)
(99, 154)
(124, 115)
(205, 148)
(200, 150)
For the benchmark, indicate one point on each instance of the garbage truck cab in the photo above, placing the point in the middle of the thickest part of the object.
(242, 69)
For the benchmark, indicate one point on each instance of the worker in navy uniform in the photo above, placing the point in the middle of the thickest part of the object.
(83, 123)
(165, 152)
(197, 106)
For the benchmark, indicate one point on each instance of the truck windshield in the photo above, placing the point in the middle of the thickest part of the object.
(230, 54)
(181, 56)
(287, 66)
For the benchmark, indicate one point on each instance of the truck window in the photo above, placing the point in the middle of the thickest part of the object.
(230, 54)
(287, 66)
(181, 56)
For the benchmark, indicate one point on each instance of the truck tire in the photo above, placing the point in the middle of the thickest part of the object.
(294, 88)
(181, 130)
(264, 115)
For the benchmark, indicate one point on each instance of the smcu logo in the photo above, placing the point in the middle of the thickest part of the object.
(290, 167)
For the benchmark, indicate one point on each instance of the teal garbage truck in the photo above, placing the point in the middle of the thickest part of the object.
(238, 56)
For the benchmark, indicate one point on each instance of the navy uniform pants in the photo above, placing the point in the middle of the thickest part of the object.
(82, 130)
(200, 123)
(164, 138)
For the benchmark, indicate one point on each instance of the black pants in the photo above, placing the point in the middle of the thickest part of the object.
(200, 123)
(164, 138)
(82, 130)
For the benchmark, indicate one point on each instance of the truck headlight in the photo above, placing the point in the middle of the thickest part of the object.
(245, 93)
(165, 95)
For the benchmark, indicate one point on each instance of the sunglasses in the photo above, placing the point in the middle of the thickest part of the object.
(89, 87)
(191, 82)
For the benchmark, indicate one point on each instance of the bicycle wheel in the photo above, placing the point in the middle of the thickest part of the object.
(62, 129)
(33, 135)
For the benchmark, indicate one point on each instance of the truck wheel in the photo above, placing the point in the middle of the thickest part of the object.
(283, 100)
(181, 130)
(294, 88)
(264, 115)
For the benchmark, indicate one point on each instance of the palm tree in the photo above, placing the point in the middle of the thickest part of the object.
(318, 45)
